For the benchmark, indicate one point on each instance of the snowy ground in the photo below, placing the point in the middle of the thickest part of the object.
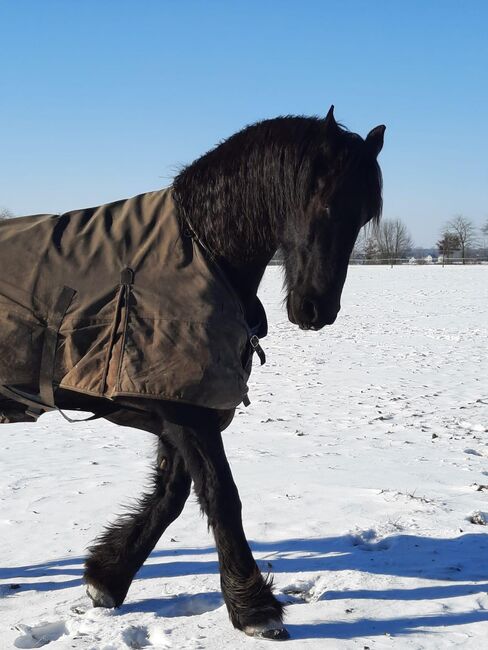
(360, 461)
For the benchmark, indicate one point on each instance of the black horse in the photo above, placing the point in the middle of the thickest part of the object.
(306, 186)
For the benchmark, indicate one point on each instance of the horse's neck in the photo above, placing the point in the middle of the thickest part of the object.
(245, 276)
(241, 252)
(245, 281)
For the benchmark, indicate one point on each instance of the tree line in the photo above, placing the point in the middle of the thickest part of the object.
(461, 235)
(390, 242)
(386, 242)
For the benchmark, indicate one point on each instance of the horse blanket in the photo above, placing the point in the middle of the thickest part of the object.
(119, 300)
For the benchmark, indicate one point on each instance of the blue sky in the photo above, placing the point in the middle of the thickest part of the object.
(102, 99)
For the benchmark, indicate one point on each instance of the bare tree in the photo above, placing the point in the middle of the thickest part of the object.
(447, 245)
(465, 231)
(5, 214)
(484, 244)
(359, 246)
(392, 240)
(371, 252)
(366, 249)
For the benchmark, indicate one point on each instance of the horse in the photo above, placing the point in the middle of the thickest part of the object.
(305, 185)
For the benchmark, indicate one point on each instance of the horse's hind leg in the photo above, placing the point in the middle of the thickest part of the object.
(249, 599)
(119, 553)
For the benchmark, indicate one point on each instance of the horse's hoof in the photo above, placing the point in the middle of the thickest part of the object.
(272, 630)
(99, 598)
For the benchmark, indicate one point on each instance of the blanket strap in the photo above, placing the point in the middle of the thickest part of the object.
(44, 401)
(46, 375)
(34, 407)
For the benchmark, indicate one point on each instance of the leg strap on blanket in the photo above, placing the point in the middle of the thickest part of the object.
(44, 401)
(35, 408)
(36, 405)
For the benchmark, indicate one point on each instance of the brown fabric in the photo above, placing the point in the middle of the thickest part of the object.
(151, 315)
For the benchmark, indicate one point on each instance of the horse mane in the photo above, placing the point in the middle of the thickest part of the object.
(243, 190)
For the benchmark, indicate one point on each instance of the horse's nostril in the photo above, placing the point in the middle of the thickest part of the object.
(309, 310)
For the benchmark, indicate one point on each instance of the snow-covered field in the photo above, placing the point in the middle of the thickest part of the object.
(360, 461)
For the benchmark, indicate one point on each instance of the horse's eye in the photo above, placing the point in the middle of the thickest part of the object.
(333, 216)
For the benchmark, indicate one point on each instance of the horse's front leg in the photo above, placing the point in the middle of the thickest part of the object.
(119, 553)
(249, 599)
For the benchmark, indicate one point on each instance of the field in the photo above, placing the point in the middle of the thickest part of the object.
(361, 462)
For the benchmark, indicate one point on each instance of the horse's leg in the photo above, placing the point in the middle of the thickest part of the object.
(249, 599)
(119, 553)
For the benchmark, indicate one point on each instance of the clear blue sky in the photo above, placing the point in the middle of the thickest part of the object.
(103, 99)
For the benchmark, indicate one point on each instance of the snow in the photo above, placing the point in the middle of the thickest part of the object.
(361, 464)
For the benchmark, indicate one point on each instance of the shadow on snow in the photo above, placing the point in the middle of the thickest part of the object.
(459, 561)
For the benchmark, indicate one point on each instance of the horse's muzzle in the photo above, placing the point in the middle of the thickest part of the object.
(309, 313)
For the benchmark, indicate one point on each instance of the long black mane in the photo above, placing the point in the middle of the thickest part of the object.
(244, 189)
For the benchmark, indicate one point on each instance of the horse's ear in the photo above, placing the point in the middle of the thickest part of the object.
(330, 124)
(375, 138)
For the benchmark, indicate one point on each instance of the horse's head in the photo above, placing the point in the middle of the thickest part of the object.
(345, 193)
(304, 184)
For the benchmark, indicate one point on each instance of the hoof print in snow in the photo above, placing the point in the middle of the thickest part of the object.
(368, 541)
(478, 518)
(136, 637)
(480, 487)
(305, 591)
(40, 635)
(472, 452)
